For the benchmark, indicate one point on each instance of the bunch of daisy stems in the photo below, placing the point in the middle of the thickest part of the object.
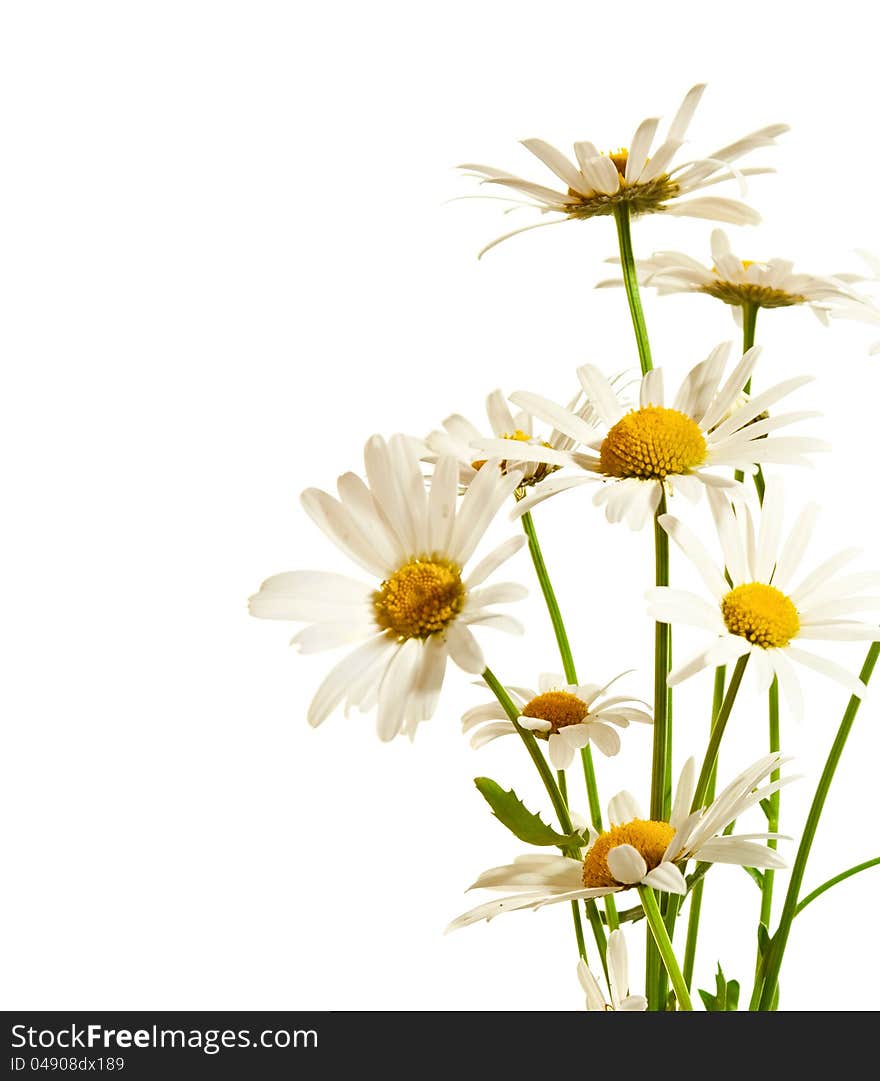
(415, 522)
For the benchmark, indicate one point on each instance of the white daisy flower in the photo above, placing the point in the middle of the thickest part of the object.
(738, 282)
(635, 851)
(765, 606)
(597, 183)
(618, 980)
(566, 715)
(421, 605)
(459, 435)
(642, 453)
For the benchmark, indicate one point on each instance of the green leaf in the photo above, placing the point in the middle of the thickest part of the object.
(510, 811)
(763, 939)
(726, 997)
(767, 808)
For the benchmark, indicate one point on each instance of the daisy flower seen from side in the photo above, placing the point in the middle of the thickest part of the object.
(420, 607)
(618, 980)
(568, 717)
(762, 606)
(598, 183)
(643, 453)
(739, 283)
(635, 851)
(458, 436)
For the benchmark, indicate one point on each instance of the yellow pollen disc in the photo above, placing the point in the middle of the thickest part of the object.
(420, 599)
(650, 839)
(652, 443)
(762, 614)
(558, 707)
(619, 157)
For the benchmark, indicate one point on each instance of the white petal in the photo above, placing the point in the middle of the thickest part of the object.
(336, 683)
(561, 753)
(666, 877)
(623, 808)
(464, 648)
(626, 864)
(602, 395)
(493, 560)
(684, 794)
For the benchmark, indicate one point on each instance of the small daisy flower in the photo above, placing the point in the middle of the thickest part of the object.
(421, 605)
(459, 435)
(597, 183)
(739, 282)
(567, 716)
(765, 606)
(645, 452)
(618, 980)
(635, 851)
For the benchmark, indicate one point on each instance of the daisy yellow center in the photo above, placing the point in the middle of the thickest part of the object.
(620, 158)
(420, 599)
(649, 839)
(762, 614)
(651, 443)
(560, 708)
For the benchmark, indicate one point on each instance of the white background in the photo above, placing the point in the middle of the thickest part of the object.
(227, 259)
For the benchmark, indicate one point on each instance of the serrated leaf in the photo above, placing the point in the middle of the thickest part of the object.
(511, 812)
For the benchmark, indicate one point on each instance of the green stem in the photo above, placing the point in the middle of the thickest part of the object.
(631, 284)
(565, 655)
(717, 732)
(661, 671)
(773, 962)
(749, 318)
(690, 951)
(664, 948)
(842, 877)
(559, 806)
(655, 981)
(773, 816)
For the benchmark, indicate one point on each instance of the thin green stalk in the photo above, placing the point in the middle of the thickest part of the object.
(661, 671)
(773, 815)
(664, 947)
(773, 962)
(842, 877)
(559, 806)
(690, 950)
(631, 284)
(718, 727)
(660, 755)
(565, 655)
(749, 318)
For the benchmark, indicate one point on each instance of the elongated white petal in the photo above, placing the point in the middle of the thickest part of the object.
(697, 554)
(623, 808)
(336, 683)
(493, 561)
(601, 394)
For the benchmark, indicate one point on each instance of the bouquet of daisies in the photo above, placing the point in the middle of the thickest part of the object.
(644, 448)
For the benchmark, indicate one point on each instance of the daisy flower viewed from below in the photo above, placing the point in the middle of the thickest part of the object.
(654, 449)
(635, 851)
(567, 716)
(633, 178)
(766, 606)
(421, 605)
(742, 283)
(458, 437)
(618, 980)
